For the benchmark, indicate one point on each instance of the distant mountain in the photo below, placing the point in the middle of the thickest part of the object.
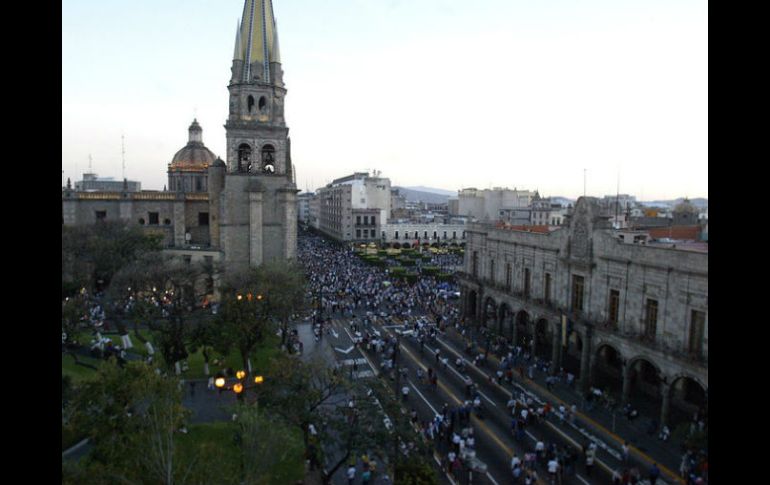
(414, 195)
(449, 193)
(564, 201)
(698, 202)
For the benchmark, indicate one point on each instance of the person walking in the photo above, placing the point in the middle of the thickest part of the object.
(590, 457)
(654, 474)
(351, 474)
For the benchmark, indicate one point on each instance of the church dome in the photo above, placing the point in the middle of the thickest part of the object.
(194, 157)
(685, 207)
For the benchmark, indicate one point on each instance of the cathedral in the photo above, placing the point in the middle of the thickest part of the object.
(241, 211)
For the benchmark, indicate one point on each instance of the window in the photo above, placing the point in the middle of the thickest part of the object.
(203, 218)
(475, 264)
(244, 157)
(697, 332)
(358, 220)
(547, 292)
(577, 293)
(526, 282)
(435, 235)
(167, 222)
(268, 159)
(508, 276)
(153, 218)
(444, 234)
(251, 103)
(396, 236)
(651, 319)
(425, 235)
(463, 234)
(492, 270)
(262, 104)
(612, 316)
(358, 233)
(101, 215)
(454, 234)
(198, 184)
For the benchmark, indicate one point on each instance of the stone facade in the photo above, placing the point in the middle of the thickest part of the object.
(634, 315)
(430, 233)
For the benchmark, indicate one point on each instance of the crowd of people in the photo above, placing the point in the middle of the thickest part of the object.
(344, 286)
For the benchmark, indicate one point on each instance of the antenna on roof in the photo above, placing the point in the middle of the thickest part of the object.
(617, 199)
(90, 170)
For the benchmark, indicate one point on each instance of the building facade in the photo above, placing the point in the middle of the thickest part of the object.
(486, 205)
(628, 317)
(412, 233)
(243, 210)
(352, 208)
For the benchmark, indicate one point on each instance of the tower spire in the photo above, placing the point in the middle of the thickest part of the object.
(256, 42)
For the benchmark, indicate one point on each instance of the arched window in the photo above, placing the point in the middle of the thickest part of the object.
(244, 158)
(251, 103)
(268, 159)
(262, 104)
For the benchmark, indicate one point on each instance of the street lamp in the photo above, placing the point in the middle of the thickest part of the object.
(239, 386)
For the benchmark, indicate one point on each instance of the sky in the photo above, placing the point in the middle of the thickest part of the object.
(440, 93)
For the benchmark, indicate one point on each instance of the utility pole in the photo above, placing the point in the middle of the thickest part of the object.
(123, 153)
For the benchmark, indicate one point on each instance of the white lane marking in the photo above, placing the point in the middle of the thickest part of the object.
(423, 397)
(462, 377)
(582, 479)
(374, 369)
(492, 479)
(438, 461)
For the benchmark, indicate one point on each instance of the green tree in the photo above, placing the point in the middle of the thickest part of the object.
(92, 254)
(131, 416)
(284, 290)
(167, 293)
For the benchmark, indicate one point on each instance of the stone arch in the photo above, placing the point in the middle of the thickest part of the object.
(489, 313)
(646, 383)
(571, 355)
(688, 396)
(506, 321)
(543, 339)
(608, 368)
(471, 304)
(244, 157)
(524, 332)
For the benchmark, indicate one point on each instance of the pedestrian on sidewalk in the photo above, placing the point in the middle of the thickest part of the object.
(351, 474)
(654, 473)
(625, 453)
(590, 457)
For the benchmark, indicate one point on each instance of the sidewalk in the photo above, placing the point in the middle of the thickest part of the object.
(599, 420)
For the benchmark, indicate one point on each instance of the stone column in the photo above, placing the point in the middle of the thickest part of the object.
(585, 357)
(533, 342)
(255, 228)
(179, 226)
(556, 348)
(515, 332)
(626, 383)
(666, 390)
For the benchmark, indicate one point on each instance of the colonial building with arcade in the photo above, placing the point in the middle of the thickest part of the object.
(622, 314)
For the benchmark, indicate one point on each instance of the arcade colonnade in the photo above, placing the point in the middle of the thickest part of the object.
(595, 357)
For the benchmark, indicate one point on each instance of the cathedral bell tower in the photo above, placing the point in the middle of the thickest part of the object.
(256, 130)
(254, 192)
